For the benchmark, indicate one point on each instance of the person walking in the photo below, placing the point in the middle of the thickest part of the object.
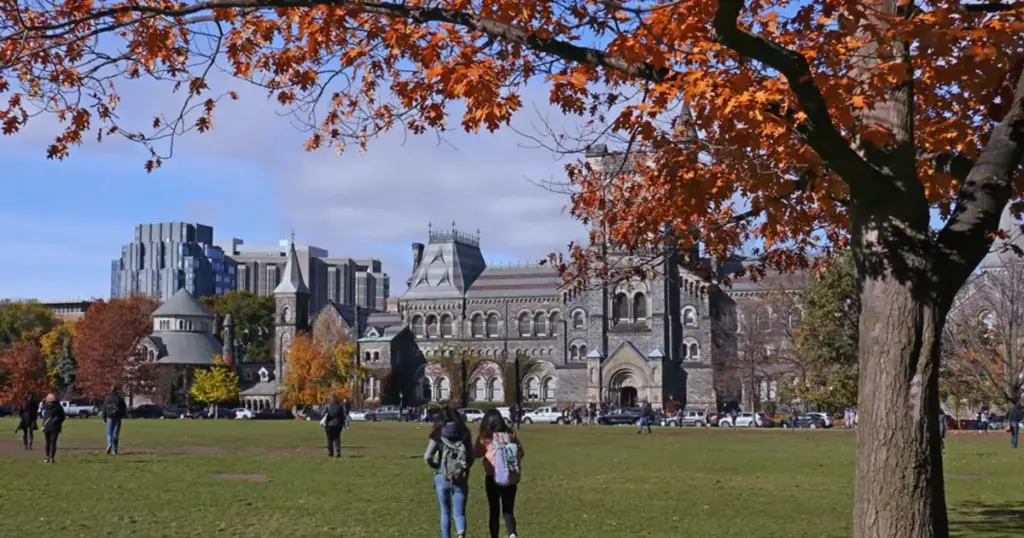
(502, 454)
(646, 416)
(348, 413)
(450, 454)
(942, 429)
(53, 421)
(114, 410)
(334, 423)
(27, 420)
(1015, 416)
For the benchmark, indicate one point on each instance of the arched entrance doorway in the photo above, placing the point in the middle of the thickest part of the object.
(624, 389)
(627, 397)
(425, 390)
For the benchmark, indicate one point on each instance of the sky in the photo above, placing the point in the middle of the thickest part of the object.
(63, 222)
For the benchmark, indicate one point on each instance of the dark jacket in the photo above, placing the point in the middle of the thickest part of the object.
(114, 406)
(27, 415)
(1016, 414)
(335, 415)
(53, 417)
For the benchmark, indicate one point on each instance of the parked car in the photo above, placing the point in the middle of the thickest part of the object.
(544, 415)
(825, 417)
(6, 410)
(77, 408)
(312, 414)
(146, 411)
(275, 414)
(805, 421)
(686, 418)
(358, 414)
(384, 412)
(744, 420)
(242, 413)
(624, 415)
(177, 411)
(471, 414)
(221, 412)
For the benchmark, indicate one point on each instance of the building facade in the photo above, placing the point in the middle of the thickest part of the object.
(166, 257)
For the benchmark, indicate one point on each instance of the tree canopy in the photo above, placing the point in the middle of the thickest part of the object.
(216, 384)
(24, 372)
(106, 345)
(254, 322)
(23, 321)
(319, 367)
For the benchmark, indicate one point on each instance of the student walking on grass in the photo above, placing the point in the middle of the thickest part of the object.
(334, 422)
(53, 421)
(114, 410)
(502, 454)
(450, 454)
(27, 417)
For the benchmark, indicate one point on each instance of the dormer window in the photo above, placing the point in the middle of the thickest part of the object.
(264, 375)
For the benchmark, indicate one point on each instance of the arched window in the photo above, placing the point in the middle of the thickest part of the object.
(151, 353)
(579, 320)
(442, 389)
(540, 324)
(446, 326)
(286, 315)
(495, 392)
(639, 307)
(740, 321)
(583, 351)
(795, 315)
(432, 326)
(181, 325)
(573, 352)
(376, 356)
(476, 390)
(689, 316)
(524, 324)
(366, 356)
(492, 325)
(419, 327)
(548, 389)
(532, 388)
(556, 321)
(620, 307)
(477, 326)
(691, 350)
(764, 319)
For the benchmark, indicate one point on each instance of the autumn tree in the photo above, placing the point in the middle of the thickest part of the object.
(56, 347)
(25, 371)
(107, 346)
(510, 384)
(23, 321)
(832, 122)
(317, 368)
(216, 384)
(459, 364)
(254, 322)
(984, 350)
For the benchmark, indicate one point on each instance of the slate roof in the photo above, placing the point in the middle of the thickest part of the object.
(531, 281)
(999, 255)
(182, 304)
(292, 278)
(191, 348)
(451, 263)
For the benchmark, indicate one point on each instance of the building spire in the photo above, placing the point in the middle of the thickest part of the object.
(292, 278)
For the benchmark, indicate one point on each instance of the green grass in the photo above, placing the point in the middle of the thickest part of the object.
(578, 481)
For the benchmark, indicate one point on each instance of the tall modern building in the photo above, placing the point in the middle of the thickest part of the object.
(168, 256)
(344, 281)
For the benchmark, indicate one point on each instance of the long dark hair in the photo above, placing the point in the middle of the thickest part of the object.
(448, 414)
(492, 423)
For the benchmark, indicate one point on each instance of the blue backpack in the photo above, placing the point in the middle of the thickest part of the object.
(506, 461)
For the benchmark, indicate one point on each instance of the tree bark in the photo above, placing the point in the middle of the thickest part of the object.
(900, 491)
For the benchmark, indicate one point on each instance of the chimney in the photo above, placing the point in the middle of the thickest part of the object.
(417, 255)
(227, 353)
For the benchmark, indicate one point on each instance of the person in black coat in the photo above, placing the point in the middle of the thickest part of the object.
(53, 421)
(333, 424)
(27, 417)
(114, 410)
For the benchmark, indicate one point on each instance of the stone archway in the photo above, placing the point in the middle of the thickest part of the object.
(624, 388)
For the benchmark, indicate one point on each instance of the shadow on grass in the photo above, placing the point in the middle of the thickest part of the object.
(989, 520)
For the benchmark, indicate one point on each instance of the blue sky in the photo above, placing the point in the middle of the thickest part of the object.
(63, 222)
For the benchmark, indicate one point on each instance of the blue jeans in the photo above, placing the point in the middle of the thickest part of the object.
(451, 496)
(1014, 434)
(641, 423)
(113, 432)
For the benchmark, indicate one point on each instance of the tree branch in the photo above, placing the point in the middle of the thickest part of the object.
(818, 130)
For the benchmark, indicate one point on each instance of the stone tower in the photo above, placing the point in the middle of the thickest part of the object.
(291, 317)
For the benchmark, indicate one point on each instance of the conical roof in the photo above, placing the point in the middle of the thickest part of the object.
(292, 281)
(182, 303)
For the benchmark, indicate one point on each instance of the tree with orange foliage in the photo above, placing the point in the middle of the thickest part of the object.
(25, 371)
(106, 346)
(806, 125)
(318, 367)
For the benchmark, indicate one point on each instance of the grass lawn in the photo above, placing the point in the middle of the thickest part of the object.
(578, 481)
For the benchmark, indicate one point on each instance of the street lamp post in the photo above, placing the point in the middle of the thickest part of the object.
(519, 395)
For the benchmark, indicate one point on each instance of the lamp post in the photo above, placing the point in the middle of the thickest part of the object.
(464, 388)
(519, 394)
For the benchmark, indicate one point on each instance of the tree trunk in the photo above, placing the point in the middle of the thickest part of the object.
(900, 491)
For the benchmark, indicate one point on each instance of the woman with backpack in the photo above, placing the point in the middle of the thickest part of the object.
(450, 454)
(53, 422)
(503, 453)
